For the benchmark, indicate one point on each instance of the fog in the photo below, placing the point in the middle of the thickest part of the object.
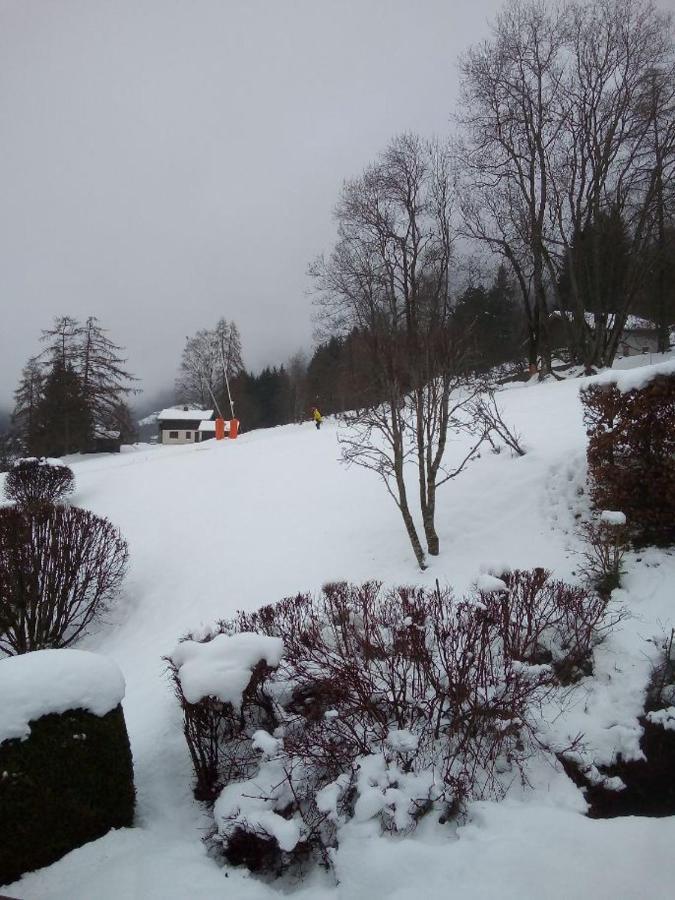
(165, 163)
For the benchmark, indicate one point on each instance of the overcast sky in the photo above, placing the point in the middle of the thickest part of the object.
(167, 162)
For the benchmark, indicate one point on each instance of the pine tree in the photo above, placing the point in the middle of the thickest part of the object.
(64, 342)
(80, 376)
(27, 398)
(64, 417)
(105, 381)
(122, 420)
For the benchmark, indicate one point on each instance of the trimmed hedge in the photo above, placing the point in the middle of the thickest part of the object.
(60, 568)
(631, 455)
(34, 481)
(68, 783)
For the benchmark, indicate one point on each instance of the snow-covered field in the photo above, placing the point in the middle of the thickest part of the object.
(232, 525)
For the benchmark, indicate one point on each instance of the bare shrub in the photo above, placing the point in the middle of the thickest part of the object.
(631, 455)
(385, 704)
(59, 569)
(605, 546)
(487, 411)
(34, 481)
(546, 621)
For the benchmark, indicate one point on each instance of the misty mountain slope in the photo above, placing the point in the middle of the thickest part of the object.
(232, 525)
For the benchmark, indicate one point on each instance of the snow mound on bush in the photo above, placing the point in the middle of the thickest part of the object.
(36, 684)
(633, 379)
(612, 517)
(222, 667)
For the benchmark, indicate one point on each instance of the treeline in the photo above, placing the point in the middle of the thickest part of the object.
(486, 321)
(72, 393)
(565, 166)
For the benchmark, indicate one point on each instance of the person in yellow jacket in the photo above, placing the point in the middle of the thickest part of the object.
(318, 418)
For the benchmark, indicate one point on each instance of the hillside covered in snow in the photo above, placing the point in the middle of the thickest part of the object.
(232, 525)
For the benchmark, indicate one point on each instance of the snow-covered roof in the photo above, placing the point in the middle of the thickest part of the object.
(634, 379)
(179, 413)
(210, 425)
(107, 434)
(633, 323)
(35, 684)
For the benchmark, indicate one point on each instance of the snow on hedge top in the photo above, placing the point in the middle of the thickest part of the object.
(40, 460)
(490, 584)
(35, 684)
(633, 379)
(222, 667)
(613, 517)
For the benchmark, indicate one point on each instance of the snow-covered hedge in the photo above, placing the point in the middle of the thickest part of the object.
(33, 480)
(65, 764)
(369, 704)
(630, 422)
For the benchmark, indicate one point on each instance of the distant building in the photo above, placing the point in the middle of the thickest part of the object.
(638, 335)
(104, 441)
(207, 429)
(183, 425)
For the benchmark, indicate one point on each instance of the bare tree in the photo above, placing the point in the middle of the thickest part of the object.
(567, 124)
(210, 360)
(510, 93)
(388, 276)
(198, 374)
(611, 159)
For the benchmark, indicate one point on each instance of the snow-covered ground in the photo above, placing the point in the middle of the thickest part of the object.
(230, 525)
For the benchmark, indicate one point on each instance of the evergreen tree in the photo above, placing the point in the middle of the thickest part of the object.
(78, 377)
(64, 417)
(27, 398)
(105, 381)
(63, 343)
(490, 323)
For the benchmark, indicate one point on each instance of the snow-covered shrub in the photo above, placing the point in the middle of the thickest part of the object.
(542, 620)
(60, 567)
(631, 452)
(33, 481)
(605, 546)
(66, 772)
(220, 684)
(383, 705)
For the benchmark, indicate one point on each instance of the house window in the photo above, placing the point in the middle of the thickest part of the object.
(188, 435)
(173, 435)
